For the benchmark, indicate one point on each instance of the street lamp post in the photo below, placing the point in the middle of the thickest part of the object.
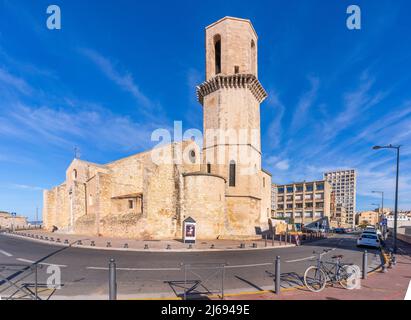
(396, 189)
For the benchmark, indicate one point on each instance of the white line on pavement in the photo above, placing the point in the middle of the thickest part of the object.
(408, 295)
(42, 263)
(178, 269)
(302, 259)
(6, 253)
(135, 269)
(250, 265)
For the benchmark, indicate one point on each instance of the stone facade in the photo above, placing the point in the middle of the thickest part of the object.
(7, 221)
(222, 186)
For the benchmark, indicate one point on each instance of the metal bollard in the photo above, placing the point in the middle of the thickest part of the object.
(280, 238)
(365, 265)
(265, 240)
(272, 239)
(112, 280)
(277, 275)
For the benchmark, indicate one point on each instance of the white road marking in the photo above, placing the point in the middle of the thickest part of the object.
(408, 295)
(178, 269)
(135, 269)
(311, 257)
(302, 259)
(6, 253)
(250, 265)
(42, 263)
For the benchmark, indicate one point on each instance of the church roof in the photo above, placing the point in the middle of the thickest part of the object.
(234, 18)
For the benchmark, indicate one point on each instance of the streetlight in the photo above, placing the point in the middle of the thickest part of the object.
(396, 189)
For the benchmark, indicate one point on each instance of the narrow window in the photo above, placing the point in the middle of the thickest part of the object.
(253, 61)
(74, 174)
(263, 182)
(130, 204)
(236, 69)
(232, 174)
(217, 51)
(208, 167)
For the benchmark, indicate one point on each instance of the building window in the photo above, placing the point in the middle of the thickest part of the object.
(232, 174)
(263, 182)
(208, 167)
(281, 190)
(290, 189)
(217, 51)
(74, 174)
(236, 69)
(192, 156)
(253, 61)
(309, 187)
(320, 186)
(90, 199)
(130, 204)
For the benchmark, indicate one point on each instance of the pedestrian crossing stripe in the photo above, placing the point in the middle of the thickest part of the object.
(408, 295)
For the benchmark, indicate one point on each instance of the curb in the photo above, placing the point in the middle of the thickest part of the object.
(185, 250)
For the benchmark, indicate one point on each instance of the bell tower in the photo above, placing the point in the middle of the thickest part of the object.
(231, 96)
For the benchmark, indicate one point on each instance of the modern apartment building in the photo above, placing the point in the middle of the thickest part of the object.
(303, 202)
(273, 199)
(344, 185)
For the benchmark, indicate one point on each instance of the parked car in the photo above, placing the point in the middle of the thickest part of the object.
(369, 239)
(340, 230)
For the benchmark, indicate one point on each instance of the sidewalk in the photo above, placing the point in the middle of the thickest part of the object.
(105, 243)
(392, 285)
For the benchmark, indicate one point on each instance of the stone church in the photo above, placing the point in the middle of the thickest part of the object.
(219, 184)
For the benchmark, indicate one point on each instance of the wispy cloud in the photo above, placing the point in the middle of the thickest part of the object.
(305, 103)
(63, 128)
(14, 82)
(274, 130)
(27, 187)
(124, 80)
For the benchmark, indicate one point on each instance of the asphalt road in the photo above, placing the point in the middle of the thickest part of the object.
(84, 272)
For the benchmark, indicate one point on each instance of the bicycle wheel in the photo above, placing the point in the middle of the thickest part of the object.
(348, 277)
(315, 279)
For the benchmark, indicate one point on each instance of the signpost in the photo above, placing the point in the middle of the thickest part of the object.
(189, 230)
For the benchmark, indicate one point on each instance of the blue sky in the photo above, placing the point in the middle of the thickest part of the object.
(117, 70)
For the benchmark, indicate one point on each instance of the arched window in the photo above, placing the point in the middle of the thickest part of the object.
(192, 156)
(208, 167)
(232, 174)
(217, 54)
(74, 174)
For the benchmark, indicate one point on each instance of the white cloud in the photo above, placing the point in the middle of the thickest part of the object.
(305, 103)
(124, 80)
(15, 82)
(282, 165)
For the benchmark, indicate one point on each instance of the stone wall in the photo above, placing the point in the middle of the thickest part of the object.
(204, 201)
(242, 217)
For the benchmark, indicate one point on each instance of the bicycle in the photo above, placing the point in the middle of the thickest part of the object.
(316, 277)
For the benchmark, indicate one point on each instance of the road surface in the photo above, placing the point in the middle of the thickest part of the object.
(84, 272)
